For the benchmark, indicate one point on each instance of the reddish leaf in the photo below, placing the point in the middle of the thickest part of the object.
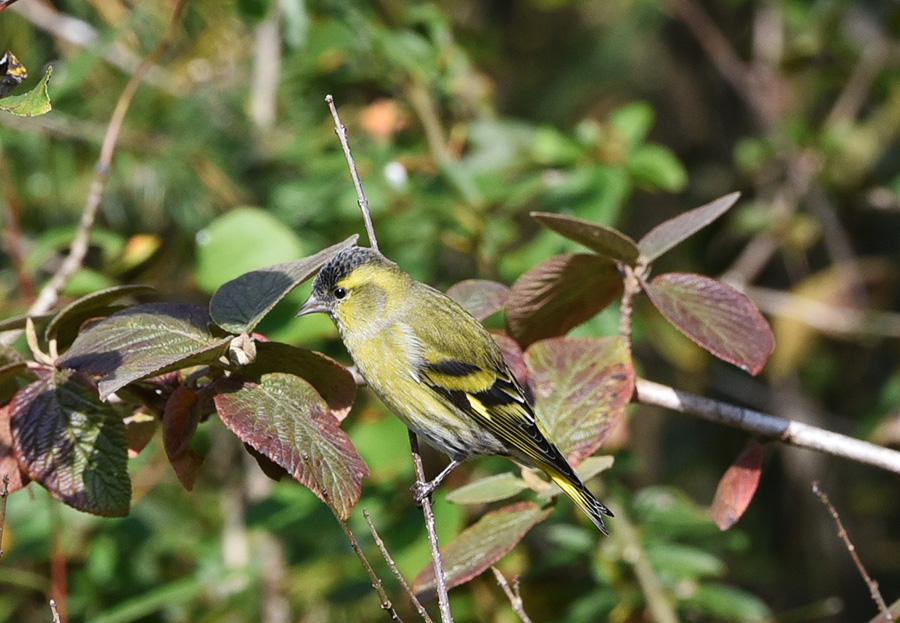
(329, 378)
(604, 240)
(480, 297)
(716, 316)
(179, 424)
(140, 427)
(513, 355)
(65, 438)
(737, 486)
(9, 466)
(669, 233)
(559, 294)
(142, 341)
(581, 387)
(481, 545)
(284, 418)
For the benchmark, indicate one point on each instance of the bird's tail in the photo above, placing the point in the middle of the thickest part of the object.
(584, 499)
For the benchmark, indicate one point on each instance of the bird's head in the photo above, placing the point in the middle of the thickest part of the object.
(358, 285)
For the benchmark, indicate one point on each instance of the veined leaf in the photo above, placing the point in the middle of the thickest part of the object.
(737, 487)
(490, 489)
(142, 341)
(66, 323)
(581, 387)
(65, 438)
(481, 545)
(559, 294)
(285, 419)
(669, 233)
(604, 240)
(480, 297)
(716, 316)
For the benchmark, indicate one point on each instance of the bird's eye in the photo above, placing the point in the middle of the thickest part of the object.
(340, 293)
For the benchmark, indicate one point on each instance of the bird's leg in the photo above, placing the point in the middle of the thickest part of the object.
(422, 490)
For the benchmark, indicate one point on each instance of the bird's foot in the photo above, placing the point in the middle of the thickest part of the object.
(423, 490)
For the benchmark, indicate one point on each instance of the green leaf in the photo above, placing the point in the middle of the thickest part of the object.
(65, 438)
(587, 469)
(68, 321)
(598, 238)
(581, 387)
(490, 489)
(240, 304)
(655, 166)
(716, 316)
(241, 240)
(559, 294)
(480, 297)
(31, 104)
(726, 603)
(286, 420)
(669, 233)
(634, 120)
(676, 562)
(481, 545)
(142, 341)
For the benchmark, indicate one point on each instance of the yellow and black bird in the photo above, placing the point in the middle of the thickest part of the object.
(437, 368)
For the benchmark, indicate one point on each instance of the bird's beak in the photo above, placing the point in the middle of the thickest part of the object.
(312, 306)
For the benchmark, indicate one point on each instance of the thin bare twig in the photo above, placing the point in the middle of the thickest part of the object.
(4, 494)
(393, 566)
(842, 533)
(436, 560)
(54, 611)
(354, 544)
(49, 294)
(341, 131)
(512, 593)
(784, 430)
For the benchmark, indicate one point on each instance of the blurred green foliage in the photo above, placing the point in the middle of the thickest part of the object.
(463, 117)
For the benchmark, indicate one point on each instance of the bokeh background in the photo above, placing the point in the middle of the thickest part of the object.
(463, 117)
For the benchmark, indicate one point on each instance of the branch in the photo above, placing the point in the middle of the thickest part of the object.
(4, 494)
(515, 598)
(787, 431)
(436, 560)
(393, 566)
(842, 533)
(341, 131)
(354, 544)
(49, 294)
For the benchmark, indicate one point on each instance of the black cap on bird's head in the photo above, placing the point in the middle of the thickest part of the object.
(325, 290)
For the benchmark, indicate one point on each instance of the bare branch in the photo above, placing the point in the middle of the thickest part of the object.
(341, 131)
(515, 599)
(54, 611)
(354, 544)
(4, 494)
(842, 533)
(436, 560)
(784, 430)
(393, 566)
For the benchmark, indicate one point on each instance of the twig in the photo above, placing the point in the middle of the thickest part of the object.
(787, 431)
(393, 566)
(626, 536)
(515, 599)
(49, 294)
(631, 278)
(436, 560)
(4, 494)
(54, 611)
(842, 533)
(341, 131)
(376, 582)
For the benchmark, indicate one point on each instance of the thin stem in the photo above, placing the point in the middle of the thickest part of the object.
(54, 611)
(393, 566)
(341, 131)
(436, 560)
(842, 533)
(4, 494)
(354, 544)
(784, 430)
(515, 598)
(49, 294)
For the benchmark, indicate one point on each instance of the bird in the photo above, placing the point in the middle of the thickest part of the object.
(438, 369)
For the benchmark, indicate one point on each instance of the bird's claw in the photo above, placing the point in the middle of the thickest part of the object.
(421, 491)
